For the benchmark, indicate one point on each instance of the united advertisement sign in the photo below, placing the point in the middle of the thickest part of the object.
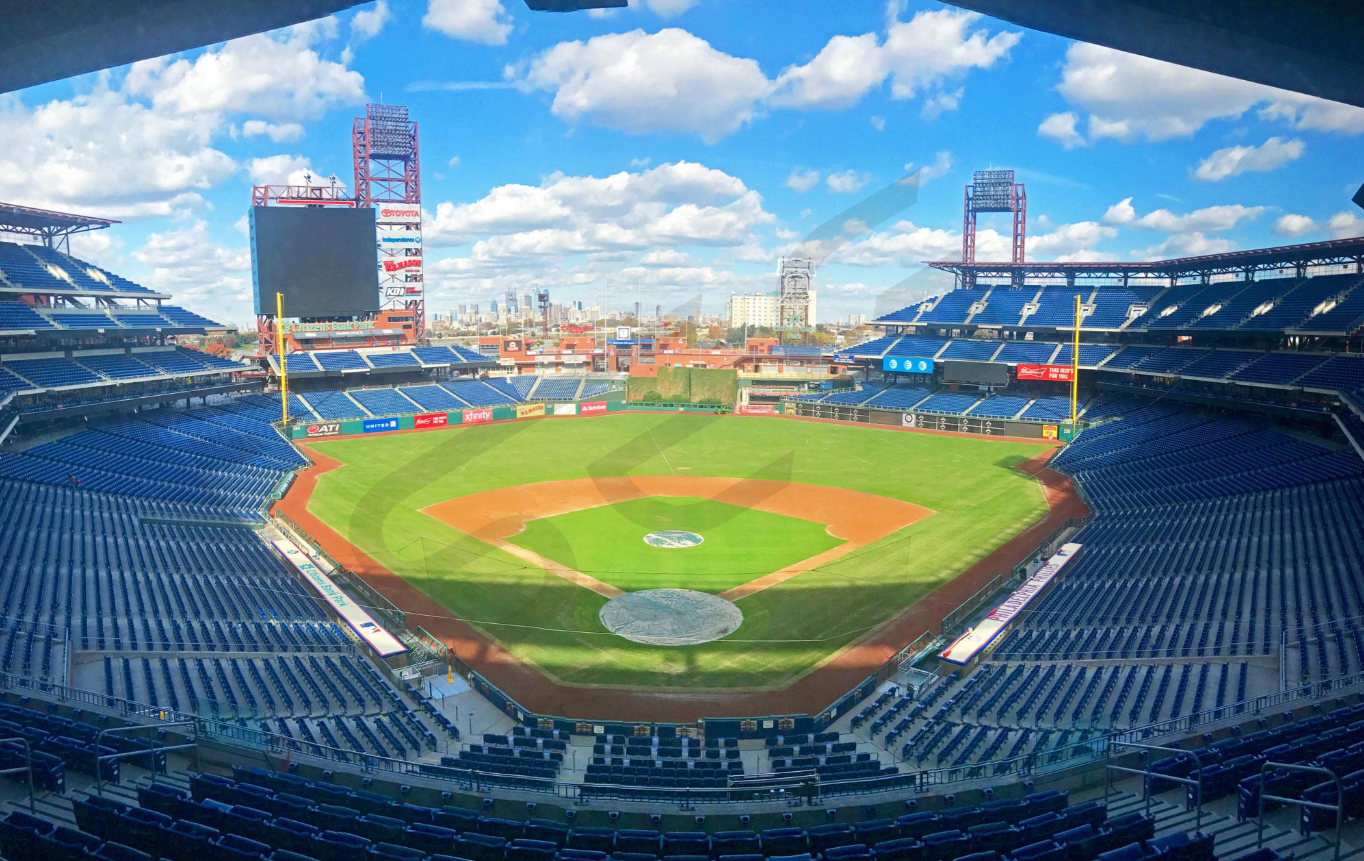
(380, 425)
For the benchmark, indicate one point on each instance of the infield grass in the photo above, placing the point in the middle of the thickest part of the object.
(741, 544)
(375, 500)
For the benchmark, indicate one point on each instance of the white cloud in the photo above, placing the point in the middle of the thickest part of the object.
(1293, 225)
(669, 8)
(1211, 218)
(199, 272)
(454, 161)
(802, 180)
(277, 132)
(1074, 241)
(1345, 225)
(278, 170)
(665, 257)
(920, 54)
(1230, 161)
(637, 82)
(847, 182)
(942, 163)
(1130, 97)
(1061, 128)
(483, 21)
(942, 102)
(1121, 212)
(1193, 244)
(878, 123)
(368, 22)
(103, 154)
(278, 75)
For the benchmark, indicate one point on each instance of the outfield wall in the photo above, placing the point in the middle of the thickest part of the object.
(931, 421)
(470, 416)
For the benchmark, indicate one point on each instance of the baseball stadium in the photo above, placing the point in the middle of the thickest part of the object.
(1059, 560)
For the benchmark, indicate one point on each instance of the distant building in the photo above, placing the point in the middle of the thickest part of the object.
(760, 309)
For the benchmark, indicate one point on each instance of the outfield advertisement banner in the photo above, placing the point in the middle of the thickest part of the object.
(565, 409)
(380, 425)
(430, 420)
(907, 365)
(470, 417)
(383, 643)
(1047, 373)
(758, 410)
(323, 429)
(526, 411)
(971, 643)
(592, 407)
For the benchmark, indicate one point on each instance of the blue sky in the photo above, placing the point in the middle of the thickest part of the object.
(675, 150)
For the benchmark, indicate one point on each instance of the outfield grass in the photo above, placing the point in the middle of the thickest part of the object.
(741, 544)
(978, 499)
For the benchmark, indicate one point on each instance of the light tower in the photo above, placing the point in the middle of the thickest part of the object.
(993, 191)
(388, 177)
(793, 302)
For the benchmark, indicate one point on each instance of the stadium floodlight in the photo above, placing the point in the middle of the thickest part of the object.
(994, 191)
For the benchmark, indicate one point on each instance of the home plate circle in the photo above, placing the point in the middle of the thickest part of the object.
(670, 617)
(672, 538)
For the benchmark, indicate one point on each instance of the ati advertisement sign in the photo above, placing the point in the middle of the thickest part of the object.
(430, 420)
(970, 644)
(380, 425)
(323, 429)
(397, 213)
(527, 411)
(470, 417)
(592, 407)
(907, 365)
(1047, 373)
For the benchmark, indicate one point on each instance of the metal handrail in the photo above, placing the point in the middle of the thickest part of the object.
(27, 767)
(1147, 774)
(1338, 807)
(151, 752)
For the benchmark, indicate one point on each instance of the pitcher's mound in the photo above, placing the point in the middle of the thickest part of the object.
(670, 617)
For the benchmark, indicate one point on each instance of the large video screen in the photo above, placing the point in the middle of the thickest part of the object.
(323, 260)
(975, 373)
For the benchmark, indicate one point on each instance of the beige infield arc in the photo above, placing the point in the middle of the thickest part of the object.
(493, 516)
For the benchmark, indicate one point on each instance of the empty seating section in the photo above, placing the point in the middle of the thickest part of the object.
(1111, 306)
(189, 319)
(951, 403)
(183, 361)
(953, 307)
(1003, 307)
(118, 366)
(1000, 406)
(1026, 352)
(556, 389)
(17, 316)
(1056, 307)
(1217, 364)
(1091, 355)
(142, 320)
(434, 355)
(597, 388)
(917, 347)
(1128, 357)
(1296, 305)
(976, 351)
(898, 397)
(297, 363)
(463, 354)
(334, 405)
(339, 360)
(903, 315)
(433, 398)
(1346, 316)
(22, 269)
(53, 373)
(1184, 307)
(1168, 361)
(11, 382)
(1236, 308)
(1278, 368)
(1053, 408)
(480, 394)
(383, 402)
(875, 347)
(853, 397)
(523, 383)
(1343, 373)
(82, 319)
(401, 359)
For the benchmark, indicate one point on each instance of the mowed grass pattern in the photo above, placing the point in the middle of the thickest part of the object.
(741, 544)
(979, 501)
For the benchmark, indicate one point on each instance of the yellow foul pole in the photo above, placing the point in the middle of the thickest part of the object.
(283, 366)
(1075, 368)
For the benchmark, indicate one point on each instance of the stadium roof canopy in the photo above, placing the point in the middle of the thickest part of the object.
(1334, 251)
(57, 39)
(1308, 47)
(46, 223)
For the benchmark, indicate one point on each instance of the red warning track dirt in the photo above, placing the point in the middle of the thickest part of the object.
(809, 694)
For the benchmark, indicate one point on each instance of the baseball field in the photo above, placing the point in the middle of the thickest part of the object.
(818, 533)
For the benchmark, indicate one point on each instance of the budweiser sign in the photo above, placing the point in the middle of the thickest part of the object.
(1047, 373)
